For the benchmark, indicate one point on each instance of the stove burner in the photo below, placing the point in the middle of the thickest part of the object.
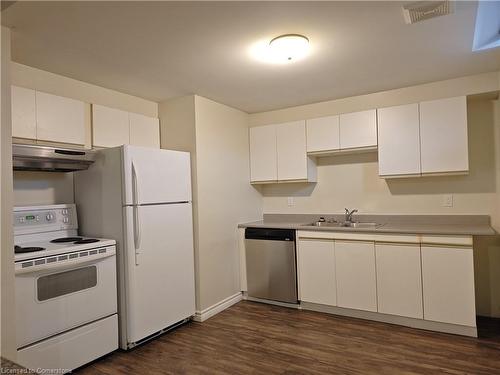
(19, 249)
(66, 239)
(86, 240)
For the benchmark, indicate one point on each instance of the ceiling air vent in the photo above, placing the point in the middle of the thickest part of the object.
(424, 10)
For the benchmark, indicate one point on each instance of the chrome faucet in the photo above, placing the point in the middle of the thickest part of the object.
(348, 215)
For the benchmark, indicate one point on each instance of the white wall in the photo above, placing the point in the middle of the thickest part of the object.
(47, 187)
(470, 85)
(225, 197)
(32, 188)
(8, 328)
(217, 137)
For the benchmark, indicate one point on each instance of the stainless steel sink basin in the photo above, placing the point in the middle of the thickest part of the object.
(360, 225)
(324, 224)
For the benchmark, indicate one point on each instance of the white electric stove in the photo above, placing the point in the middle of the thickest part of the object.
(66, 295)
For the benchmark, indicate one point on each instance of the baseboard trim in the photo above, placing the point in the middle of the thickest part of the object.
(201, 316)
(393, 319)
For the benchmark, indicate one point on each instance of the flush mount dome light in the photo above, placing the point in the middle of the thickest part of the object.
(289, 47)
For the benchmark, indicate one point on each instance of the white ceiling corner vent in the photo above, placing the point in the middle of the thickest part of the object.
(424, 10)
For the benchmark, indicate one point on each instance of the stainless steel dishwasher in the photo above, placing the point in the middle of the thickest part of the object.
(271, 264)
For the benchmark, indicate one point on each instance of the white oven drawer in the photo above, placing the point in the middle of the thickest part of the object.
(72, 349)
(53, 300)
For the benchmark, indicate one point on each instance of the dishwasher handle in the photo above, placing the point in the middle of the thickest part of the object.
(270, 234)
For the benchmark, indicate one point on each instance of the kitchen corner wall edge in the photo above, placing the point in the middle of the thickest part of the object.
(201, 316)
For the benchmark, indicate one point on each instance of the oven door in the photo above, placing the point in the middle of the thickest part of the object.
(60, 297)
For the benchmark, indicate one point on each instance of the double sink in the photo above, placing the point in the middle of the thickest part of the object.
(346, 224)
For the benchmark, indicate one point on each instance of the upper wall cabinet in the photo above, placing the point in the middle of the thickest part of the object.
(423, 139)
(113, 127)
(443, 136)
(278, 154)
(398, 140)
(41, 116)
(358, 129)
(263, 156)
(23, 112)
(323, 134)
(291, 151)
(60, 119)
(144, 131)
(110, 127)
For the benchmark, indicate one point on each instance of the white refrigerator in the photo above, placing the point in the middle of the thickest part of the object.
(141, 197)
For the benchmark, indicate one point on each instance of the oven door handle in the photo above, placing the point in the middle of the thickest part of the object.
(62, 265)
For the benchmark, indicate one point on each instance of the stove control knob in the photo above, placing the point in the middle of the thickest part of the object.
(65, 220)
(49, 217)
(65, 211)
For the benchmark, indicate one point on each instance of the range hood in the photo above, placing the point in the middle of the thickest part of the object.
(51, 159)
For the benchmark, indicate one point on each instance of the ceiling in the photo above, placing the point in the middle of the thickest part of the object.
(158, 50)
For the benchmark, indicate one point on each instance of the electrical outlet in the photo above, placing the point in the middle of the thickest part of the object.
(291, 202)
(447, 200)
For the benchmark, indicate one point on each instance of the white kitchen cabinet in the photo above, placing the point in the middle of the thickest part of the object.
(323, 134)
(263, 156)
(355, 274)
(448, 285)
(23, 112)
(399, 140)
(399, 281)
(316, 267)
(443, 136)
(144, 131)
(358, 129)
(60, 119)
(291, 151)
(110, 126)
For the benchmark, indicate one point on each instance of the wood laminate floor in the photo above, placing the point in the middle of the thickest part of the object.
(253, 338)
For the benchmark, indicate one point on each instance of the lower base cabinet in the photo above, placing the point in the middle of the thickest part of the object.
(356, 280)
(448, 285)
(399, 279)
(316, 260)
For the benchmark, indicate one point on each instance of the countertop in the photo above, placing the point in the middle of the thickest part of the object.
(472, 225)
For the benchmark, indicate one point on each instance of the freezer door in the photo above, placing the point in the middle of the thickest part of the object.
(160, 268)
(156, 176)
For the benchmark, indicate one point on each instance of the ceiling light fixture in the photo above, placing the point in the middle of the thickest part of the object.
(283, 49)
(289, 47)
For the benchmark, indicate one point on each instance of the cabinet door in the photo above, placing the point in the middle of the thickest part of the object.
(398, 140)
(443, 135)
(291, 151)
(355, 271)
(358, 129)
(323, 134)
(23, 112)
(60, 119)
(317, 272)
(399, 281)
(263, 158)
(144, 131)
(110, 127)
(448, 285)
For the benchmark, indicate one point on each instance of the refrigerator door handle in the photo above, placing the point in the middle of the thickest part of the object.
(136, 214)
(137, 233)
(135, 186)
